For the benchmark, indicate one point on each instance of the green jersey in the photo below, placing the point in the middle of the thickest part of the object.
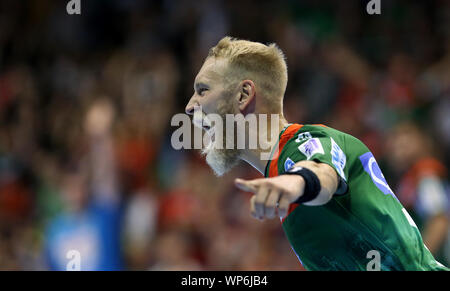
(364, 225)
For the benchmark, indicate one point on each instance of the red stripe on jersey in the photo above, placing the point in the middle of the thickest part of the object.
(273, 170)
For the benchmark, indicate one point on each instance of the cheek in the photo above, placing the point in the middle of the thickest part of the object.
(209, 106)
(212, 102)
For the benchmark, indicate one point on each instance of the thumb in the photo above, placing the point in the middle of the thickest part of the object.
(244, 185)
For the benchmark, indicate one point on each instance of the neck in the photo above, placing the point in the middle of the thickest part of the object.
(259, 157)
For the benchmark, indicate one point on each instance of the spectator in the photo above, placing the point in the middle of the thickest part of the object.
(90, 224)
(423, 187)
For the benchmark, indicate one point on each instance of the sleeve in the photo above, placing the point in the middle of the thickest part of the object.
(320, 148)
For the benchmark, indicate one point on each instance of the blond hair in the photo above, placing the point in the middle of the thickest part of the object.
(265, 65)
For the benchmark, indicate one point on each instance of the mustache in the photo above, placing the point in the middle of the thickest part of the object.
(200, 119)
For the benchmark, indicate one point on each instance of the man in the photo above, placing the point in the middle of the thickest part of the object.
(337, 210)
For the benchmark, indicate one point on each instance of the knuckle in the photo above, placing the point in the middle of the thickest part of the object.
(268, 183)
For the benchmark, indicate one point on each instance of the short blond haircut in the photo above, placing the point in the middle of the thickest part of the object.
(265, 65)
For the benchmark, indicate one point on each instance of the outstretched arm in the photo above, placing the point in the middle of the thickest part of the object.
(274, 195)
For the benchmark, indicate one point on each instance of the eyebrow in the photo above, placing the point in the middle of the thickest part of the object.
(199, 85)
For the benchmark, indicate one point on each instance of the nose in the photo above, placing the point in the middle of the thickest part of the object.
(190, 109)
(191, 106)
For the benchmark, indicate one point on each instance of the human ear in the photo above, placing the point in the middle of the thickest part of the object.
(246, 97)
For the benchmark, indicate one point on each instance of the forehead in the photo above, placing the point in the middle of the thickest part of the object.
(213, 69)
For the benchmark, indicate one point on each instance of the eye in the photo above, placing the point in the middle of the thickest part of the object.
(201, 91)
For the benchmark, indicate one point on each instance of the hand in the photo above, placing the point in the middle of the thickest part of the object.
(272, 195)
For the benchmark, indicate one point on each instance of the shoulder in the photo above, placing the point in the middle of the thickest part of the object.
(322, 144)
(312, 138)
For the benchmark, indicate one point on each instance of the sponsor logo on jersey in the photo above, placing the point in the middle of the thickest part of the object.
(371, 167)
(338, 158)
(288, 164)
(311, 147)
(302, 136)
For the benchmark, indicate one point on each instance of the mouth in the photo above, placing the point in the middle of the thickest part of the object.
(204, 124)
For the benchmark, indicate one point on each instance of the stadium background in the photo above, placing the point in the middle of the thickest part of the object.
(134, 61)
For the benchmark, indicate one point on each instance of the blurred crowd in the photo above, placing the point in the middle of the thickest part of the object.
(86, 162)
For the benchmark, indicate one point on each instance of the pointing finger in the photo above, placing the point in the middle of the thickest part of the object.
(244, 185)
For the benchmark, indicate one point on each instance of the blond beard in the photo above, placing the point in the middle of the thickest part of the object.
(222, 160)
